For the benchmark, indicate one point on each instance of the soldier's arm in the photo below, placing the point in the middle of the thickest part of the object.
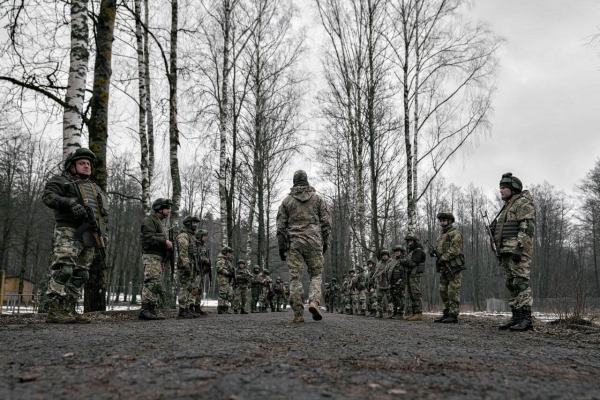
(526, 217)
(324, 220)
(53, 195)
(455, 248)
(282, 226)
(151, 236)
(183, 245)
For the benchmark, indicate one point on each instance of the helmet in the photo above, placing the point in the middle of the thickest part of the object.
(371, 261)
(326, 285)
(351, 271)
(187, 221)
(411, 237)
(359, 268)
(278, 278)
(399, 248)
(511, 182)
(241, 262)
(161, 203)
(334, 280)
(446, 215)
(200, 233)
(300, 178)
(77, 155)
(384, 252)
(266, 272)
(257, 267)
(226, 250)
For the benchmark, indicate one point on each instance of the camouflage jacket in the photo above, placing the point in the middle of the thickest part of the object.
(203, 254)
(242, 276)
(360, 281)
(224, 266)
(516, 222)
(278, 288)
(256, 279)
(154, 236)
(60, 194)
(267, 283)
(396, 272)
(186, 248)
(415, 259)
(303, 219)
(371, 280)
(449, 244)
(382, 270)
(335, 289)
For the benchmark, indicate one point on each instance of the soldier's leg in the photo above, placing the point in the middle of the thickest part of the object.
(522, 296)
(509, 277)
(152, 289)
(295, 262)
(454, 286)
(314, 263)
(362, 301)
(444, 295)
(223, 282)
(380, 293)
(185, 292)
(414, 286)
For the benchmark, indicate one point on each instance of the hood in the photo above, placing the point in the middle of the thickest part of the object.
(302, 193)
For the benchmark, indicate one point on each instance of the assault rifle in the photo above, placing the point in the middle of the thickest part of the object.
(170, 254)
(488, 229)
(436, 254)
(206, 268)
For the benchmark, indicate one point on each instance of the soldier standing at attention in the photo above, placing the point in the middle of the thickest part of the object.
(450, 265)
(383, 282)
(186, 243)
(204, 268)
(360, 286)
(279, 292)
(71, 256)
(397, 282)
(371, 288)
(256, 288)
(304, 222)
(225, 277)
(155, 247)
(513, 229)
(242, 280)
(414, 268)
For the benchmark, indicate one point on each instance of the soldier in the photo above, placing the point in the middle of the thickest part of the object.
(414, 266)
(513, 229)
(343, 290)
(204, 269)
(360, 285)
(186, 268)
(73, 245)
(286, 289)
(242, 281)
(350, 298)
(335, 295)
(327, 296)
(383, 282)
(155, 247)
(225, 277)
(279, 293)
(450, 265)
(256, 286)
(397, 282)
(371, 288)
(303, 227)
(267, 291)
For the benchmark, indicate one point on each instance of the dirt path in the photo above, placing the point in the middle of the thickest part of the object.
(261, 356)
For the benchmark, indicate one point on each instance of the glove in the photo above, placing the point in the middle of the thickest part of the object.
(517, 254)
(186, 272)
(282, 255)
(404, 263)
(78, 211)
(324, 248)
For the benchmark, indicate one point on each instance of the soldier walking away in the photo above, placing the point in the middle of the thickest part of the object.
(383, 282)
(414, 266)
(186, 268)
(73, 197)
(225, 278)
(371, 288)
(450, 265)
(513, 230)
(256, 286)
(279, 293)
(242, 281)
(303, 227)
(155, 250)
(397, 282)
(204, 268)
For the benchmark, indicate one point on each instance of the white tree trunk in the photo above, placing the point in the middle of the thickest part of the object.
(142, 109)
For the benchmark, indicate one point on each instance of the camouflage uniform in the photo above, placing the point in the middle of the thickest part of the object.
(397, 283)
(334, 302)
(371, 288)
(279, 293)
(343, 291)
(242, 283)
(327, 296)
(360, 286)
(414, 268)
(266, 298)
(186, 245)
(304, 222)
(514, 229)
(204, 268)
(351, 298)
(383, 283)
(225, 276)
(256, 288)
(286, 290)
(450, 265)
(154, 237)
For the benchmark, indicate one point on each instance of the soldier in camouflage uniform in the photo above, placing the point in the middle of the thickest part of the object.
(225, 277)
(414, 265)
(267, 291)
(204, 269)
(256, 285)
(286, 290)
(397, 282)
(383, 282)
(343, 291)
(371, 288)
(450, 265)
(360, 286)
(242, 282)
(350, 297)
(155, 247)
(279, 293)
(187, 266)
(73, 246)
(327, 296)
(513, 229)
(334, 302)
(303, 227)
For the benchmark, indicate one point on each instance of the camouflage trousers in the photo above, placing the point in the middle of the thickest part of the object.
(225, 291)
(198, 288)
(414, 290)
(153, 275)
(279, 301)
(185, 288)
(517, 281)
(380, 295)
(314, 262)
(397, 295)
(361, 300)
(256, 292)
(372, 300)
(240, 297)
(69, 264)
(351, 299)
(450, 291)
(333, 303)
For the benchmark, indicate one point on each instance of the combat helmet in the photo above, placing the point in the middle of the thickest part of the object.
(187, 221)
(278, 278)
(334, 280)
(446, 215)
(384, 252)
(351, 271)
(200, 233)
(359, 268)
(256, 267)
(371, 261)
(399, 248)
(327, 285)
(241, 262)
(266, 272)
(511, 182)
(411, 237)
(161, 203)
(77, 155)
(226, 250)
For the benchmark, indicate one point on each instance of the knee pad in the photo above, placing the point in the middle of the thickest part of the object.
(62, 273)
(154, 286)
(80, 277)
(520, 284)
(509, 284)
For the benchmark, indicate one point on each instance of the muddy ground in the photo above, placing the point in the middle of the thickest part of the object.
(263, 356)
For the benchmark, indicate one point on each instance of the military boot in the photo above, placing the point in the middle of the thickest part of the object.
(514, 320)
(450, 319)
(263, 309)
(147, 314)
(235, 311)
(227, 310)
(526, 322)
(379, 314)
(442, 317)
(221, 310)
(363, 313)
(415, 317)
(394, 313)
(313, 308)
(184, 313)
(71, 307)
(253, 309)
(190, 310)
(298, 319)
(198, 310)
(57, 314)
(372, 313)
(243, 311)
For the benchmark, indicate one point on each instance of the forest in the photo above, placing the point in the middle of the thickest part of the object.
(213, 102)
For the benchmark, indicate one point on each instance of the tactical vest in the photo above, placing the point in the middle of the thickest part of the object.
(509, 229)
(397, 275)
(242, 277)
(90, 195)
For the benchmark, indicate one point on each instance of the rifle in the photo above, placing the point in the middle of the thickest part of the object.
(170, 254)
(488, 229)
(437, 255)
